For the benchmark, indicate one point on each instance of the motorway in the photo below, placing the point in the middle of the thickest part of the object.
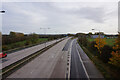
(18, 55)
(46, 65)
(81, 66)
(64, 60)
(77, 69)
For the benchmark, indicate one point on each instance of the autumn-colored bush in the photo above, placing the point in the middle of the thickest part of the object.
(115, 59)
(100, 42)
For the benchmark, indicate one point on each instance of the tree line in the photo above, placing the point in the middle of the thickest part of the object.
(10, 41)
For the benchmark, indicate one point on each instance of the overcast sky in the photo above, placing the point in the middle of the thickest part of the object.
(60, 17)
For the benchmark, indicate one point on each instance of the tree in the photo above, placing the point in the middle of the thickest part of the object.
(12, 34)
(100, 42)
(34, 38)
(19, 35)
(80, 34)
(90, 33)
(115, 59)
(97, 33)
(82, 39)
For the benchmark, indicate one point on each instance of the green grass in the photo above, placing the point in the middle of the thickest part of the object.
(22, 43)
(109, 42)
(43, 39)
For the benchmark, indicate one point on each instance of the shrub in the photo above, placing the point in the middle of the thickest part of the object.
(16, 45)
(28, 42)
(115, 59)
(92, 48)
(100, 42)
(83, 41)
(4, 48)
(106, 53)
(50, 38)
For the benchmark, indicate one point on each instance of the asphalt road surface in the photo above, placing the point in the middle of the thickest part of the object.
(77, 69)
(81, 65)
(15, 56)
(51, 64)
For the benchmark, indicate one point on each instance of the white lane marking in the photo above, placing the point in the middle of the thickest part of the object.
(70, 58)
(82, 64)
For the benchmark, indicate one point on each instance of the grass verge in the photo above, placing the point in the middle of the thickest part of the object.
(109, 72)
(23, 46)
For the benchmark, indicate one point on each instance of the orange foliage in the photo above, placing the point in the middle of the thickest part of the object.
(100, 42)
(115, 59)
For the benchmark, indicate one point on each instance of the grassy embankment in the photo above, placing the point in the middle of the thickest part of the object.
(109, 72)
(22, 44)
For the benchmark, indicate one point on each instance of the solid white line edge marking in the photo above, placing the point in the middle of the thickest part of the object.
(82, 63)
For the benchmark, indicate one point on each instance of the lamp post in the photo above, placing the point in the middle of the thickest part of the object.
(2, 12)
(45, 33)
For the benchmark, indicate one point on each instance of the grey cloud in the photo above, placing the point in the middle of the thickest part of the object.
(29, 17)
(95, 14)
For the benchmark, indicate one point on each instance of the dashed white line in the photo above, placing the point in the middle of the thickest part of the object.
(70, 58)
